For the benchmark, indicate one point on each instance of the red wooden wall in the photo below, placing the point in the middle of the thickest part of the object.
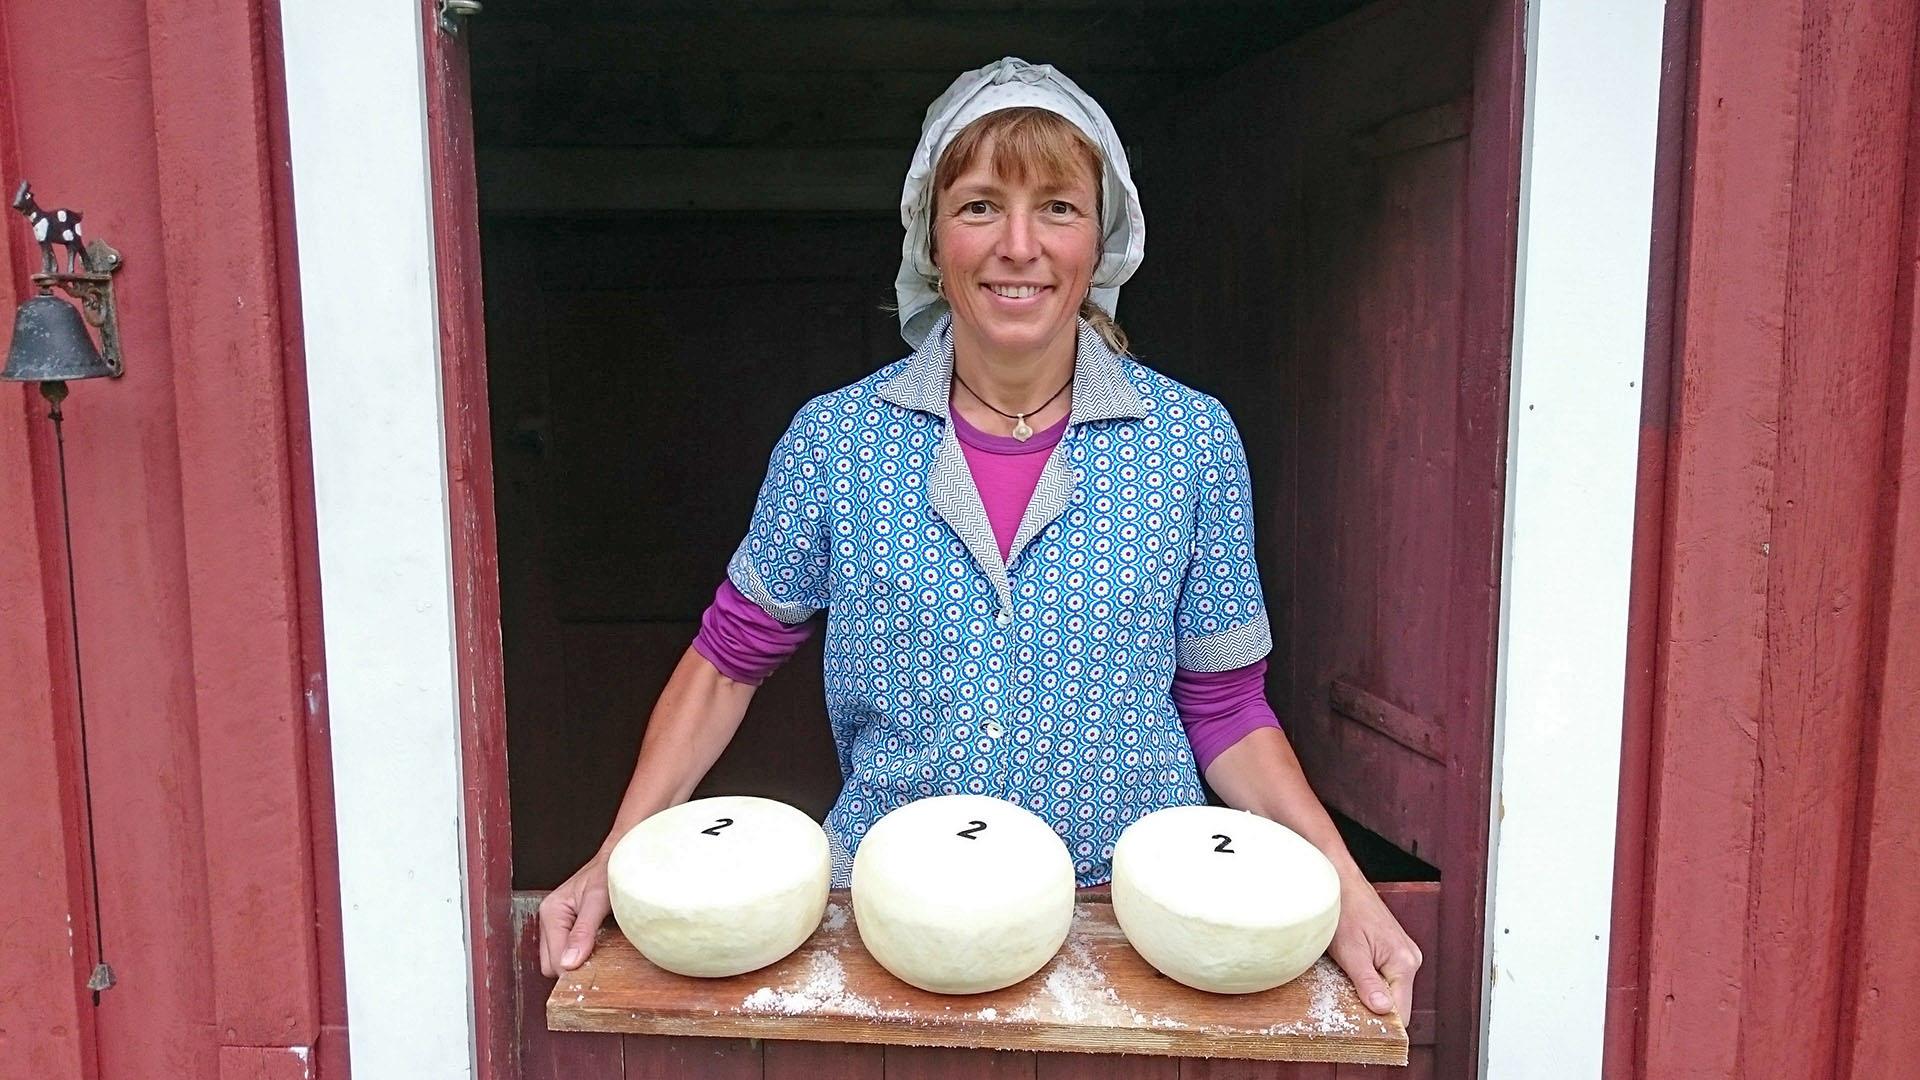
(205, 705)
(1768, 864)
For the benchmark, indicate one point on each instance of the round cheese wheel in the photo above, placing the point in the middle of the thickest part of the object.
(720, 886)
(961, 894)
(1223, 900)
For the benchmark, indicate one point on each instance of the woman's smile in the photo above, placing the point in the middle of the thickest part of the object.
(1016, 293)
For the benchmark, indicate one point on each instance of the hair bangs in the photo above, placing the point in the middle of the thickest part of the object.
(1024, 144)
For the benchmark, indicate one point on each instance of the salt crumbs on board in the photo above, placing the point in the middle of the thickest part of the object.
(835, 918)
(822, 989)
(1325, 1016)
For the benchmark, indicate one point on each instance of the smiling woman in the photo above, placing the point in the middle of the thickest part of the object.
(1098, 633)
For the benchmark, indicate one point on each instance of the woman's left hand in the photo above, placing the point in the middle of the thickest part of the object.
(1373, 950)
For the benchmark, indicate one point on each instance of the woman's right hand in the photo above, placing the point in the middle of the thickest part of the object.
(571, 915)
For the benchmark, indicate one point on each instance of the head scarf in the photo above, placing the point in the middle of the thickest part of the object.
(1007, 84)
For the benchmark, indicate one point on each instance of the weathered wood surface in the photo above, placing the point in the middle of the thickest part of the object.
(1096, 995)
(1768, 801)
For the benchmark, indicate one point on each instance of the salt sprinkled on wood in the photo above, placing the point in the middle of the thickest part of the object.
(823, 989)
(1325, 1016)
(836, 917)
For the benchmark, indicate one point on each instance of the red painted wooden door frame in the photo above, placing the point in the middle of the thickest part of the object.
(476, 557)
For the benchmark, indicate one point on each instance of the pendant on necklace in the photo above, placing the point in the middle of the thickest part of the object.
(1020, 429)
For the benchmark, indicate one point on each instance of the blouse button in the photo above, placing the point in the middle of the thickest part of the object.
(1003, 619)
(994, 729)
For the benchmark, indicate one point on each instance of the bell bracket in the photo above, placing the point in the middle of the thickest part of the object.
(92, 288)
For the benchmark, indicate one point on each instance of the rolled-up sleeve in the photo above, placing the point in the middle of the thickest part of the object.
(782, 563)
(1221, 622)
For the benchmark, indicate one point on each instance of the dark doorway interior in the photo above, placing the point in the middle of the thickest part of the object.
(690, 227)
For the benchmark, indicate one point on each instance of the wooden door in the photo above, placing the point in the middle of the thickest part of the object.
(1334, 238)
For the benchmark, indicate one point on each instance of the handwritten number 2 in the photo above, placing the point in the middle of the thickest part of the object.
(717, 826)
(973, 833)
(1222, 845)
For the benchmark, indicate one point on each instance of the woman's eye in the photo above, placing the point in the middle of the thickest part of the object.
(976, 207)
(1061, 209)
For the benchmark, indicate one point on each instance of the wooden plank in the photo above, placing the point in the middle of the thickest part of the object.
(1840, 294)
(950, 1063)
(229, 405)
(1415, 732)
(1413, 130)
(678, 1057)
(1879, 1037)
(1490, 227)
(1201, 1069)
(1107, 1067)
(1702, 767)
(1096, 995)
(47, 937)
(787, 1060)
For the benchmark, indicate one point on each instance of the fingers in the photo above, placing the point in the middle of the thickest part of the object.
(556, 919)
(594, 908)
(1399, 969)
(1357, 962)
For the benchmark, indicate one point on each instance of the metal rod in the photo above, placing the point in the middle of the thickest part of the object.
(102, 977)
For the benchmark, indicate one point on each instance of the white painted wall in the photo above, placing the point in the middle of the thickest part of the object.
(1593, 82)
(356, 103)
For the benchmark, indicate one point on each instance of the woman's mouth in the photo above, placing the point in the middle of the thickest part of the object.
(1017, 292)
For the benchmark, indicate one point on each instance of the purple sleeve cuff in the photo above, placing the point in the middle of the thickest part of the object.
(1219, 708)
(740, 639)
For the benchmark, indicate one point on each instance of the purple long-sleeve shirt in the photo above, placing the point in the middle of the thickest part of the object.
(1217, 708)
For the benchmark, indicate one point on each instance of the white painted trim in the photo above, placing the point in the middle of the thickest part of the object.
(356, 105)
(1586, 209)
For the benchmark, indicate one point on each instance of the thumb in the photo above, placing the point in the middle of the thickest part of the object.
(593, 911)
(1373, 990)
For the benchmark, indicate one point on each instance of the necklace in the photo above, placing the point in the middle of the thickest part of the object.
(1020, 429)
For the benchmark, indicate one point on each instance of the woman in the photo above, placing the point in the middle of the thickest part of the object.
(1035, 554)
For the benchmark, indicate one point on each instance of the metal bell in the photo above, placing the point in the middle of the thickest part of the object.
(51, 344)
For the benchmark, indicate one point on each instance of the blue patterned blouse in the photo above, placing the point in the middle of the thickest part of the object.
(1043, 680)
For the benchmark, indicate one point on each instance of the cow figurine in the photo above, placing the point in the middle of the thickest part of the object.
(52, 227)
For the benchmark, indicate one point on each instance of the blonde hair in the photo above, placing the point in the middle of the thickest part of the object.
(1031, 143)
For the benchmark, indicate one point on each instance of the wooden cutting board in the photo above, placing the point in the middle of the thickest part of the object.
(1097, 995)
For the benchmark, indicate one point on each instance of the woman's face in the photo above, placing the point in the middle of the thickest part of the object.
(1015, 257)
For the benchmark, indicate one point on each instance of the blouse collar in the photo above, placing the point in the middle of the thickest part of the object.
(1101, 389)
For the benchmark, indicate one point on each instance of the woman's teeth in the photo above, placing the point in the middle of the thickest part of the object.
(1015, 292)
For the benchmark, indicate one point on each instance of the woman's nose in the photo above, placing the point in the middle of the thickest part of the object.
(1019, 241)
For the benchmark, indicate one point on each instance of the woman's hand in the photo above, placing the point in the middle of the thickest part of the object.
(1373, 950)
(571, 915)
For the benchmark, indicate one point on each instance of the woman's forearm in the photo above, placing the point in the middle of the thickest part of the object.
(696, 717)
(1261, 774)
